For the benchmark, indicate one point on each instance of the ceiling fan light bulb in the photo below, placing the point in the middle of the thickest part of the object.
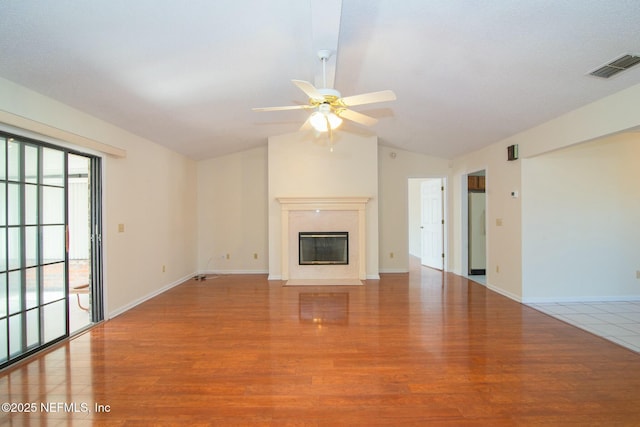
(318, 121)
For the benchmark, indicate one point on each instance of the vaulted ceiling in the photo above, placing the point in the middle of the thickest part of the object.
(186, 74)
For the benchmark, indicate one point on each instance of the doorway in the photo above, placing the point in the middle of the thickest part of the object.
(79, 247)
(49, 197)
(476, 221)
(427, 233)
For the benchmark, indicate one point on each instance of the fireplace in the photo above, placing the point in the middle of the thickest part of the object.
(322, 216)
(323, 248)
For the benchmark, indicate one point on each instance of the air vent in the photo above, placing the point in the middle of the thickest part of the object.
(616, 66)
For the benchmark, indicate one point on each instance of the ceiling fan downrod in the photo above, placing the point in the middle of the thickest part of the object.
(324, 55)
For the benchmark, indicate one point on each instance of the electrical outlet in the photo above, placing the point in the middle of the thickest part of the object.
(228, 256)
(255, 256)
(497, 269)
(120, 228)
(164, 268)
(499, 222)
(391, 255)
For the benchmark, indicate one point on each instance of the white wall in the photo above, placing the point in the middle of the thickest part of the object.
(581, 222)
(504, 263)
(505, 259)
(232, 213)
(232, 196)
(395, 169)
(152, 191)
(299, 168)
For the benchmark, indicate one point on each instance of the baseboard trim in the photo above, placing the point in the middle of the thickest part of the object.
(393, 270)
(147, 297)
(222, 272)
(538, 300)
(504, 293)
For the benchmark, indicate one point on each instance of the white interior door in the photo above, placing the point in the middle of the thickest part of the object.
(431, 223)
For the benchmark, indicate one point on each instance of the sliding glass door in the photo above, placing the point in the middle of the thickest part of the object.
(34, 245)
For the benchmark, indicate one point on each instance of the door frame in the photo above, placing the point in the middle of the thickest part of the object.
(464, 219)
(96, 214)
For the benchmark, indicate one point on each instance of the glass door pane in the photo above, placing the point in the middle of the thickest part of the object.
(33, 265)
(50, 245)
(4, 296)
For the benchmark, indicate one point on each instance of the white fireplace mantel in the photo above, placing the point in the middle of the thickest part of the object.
(327, 203)
(318, 204)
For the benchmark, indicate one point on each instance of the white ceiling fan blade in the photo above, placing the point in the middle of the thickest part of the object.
(309, 89)
(369, 98)
(288, 107)
(354, 116)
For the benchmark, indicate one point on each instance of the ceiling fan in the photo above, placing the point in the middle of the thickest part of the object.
(329, 105)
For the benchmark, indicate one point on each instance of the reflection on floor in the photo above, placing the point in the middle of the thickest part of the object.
(615, 321)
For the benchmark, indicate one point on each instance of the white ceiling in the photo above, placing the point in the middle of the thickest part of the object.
(186, 74)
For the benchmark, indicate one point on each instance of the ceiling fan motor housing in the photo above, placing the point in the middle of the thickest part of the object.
(329, 93)
(324, 108)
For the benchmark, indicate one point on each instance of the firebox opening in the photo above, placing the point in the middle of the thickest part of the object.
(323, 247)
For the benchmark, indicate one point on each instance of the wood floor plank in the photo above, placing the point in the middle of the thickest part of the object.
(409, 349)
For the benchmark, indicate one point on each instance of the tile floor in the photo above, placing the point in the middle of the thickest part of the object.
(616, 321)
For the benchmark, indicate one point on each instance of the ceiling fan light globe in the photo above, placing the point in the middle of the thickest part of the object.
(322, 121)
(318, 122)
(334, 121)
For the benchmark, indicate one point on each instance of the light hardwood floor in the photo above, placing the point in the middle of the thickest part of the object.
(424, 348)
